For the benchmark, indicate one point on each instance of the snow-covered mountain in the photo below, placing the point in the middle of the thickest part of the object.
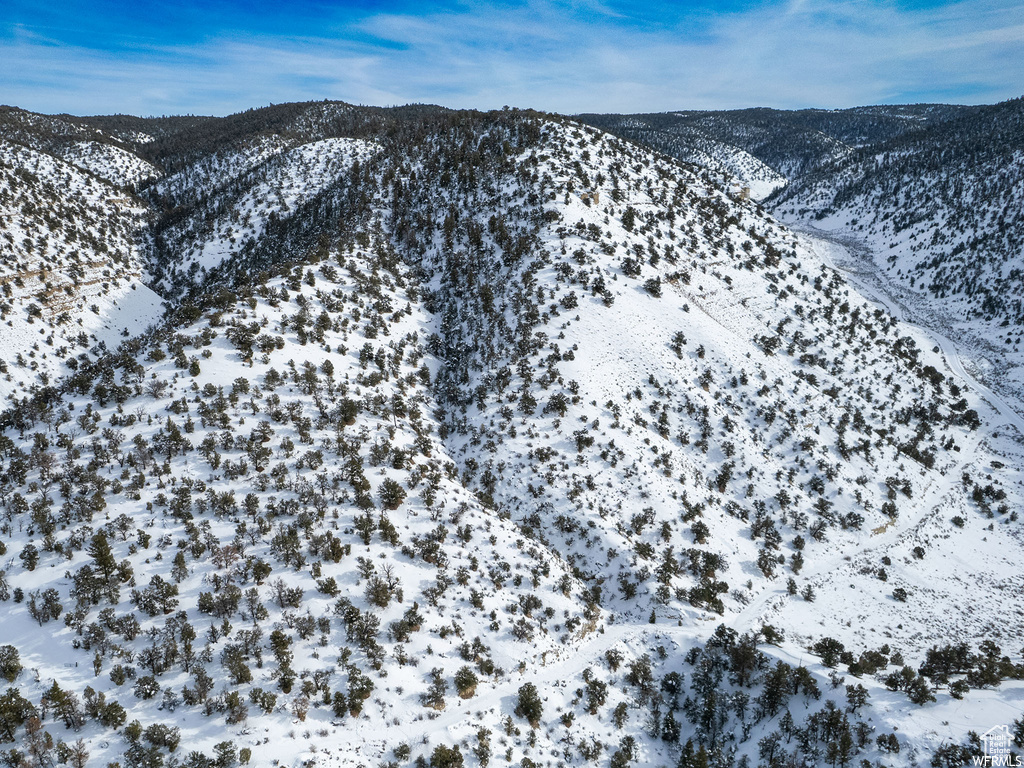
(696, 143)
(763, 149)
(939, 212)
(924, 197)
(476, 437)
(70, 239)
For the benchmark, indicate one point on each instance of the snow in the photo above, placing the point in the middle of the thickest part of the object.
(111, 163)
(666, 419)
(72, 253)
(942, 241)
(283, 180)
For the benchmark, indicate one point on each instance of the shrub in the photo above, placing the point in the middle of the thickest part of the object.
(392, 494)
(10, 663)
(146, 687)
(446, 757)
(958, 688)
(466, 682)
(529, 705)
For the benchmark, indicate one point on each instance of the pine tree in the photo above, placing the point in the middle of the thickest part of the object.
(529, 704)
(106, 564)
(10, 663)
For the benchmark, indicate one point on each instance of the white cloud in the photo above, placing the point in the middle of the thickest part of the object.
(558, 56)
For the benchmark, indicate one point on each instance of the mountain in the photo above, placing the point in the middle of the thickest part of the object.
(923, 196)
(765, 148)
(477, 436)
(72, 264)
(939, 210)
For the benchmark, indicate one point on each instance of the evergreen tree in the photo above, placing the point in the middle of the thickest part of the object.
(529, 704)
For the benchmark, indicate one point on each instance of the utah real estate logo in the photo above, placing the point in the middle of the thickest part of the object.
(998, 741)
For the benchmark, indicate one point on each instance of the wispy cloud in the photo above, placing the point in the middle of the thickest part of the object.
(558, 55)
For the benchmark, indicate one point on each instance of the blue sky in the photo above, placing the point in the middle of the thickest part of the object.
(223, 56)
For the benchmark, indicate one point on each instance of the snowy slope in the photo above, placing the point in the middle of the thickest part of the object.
(266, 184)
(719, 299)
(479, 402)
(70, 260)
(937, 213)
(110, 162)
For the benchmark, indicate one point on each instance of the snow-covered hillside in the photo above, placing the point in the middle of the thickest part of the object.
(696, 145)
(938, 214)
(70, 267)
(475, 438)
(110, 162)
(791, 144)
(255, 189)
(924, 197)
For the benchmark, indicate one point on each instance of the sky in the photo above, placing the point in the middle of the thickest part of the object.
(216, 57)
